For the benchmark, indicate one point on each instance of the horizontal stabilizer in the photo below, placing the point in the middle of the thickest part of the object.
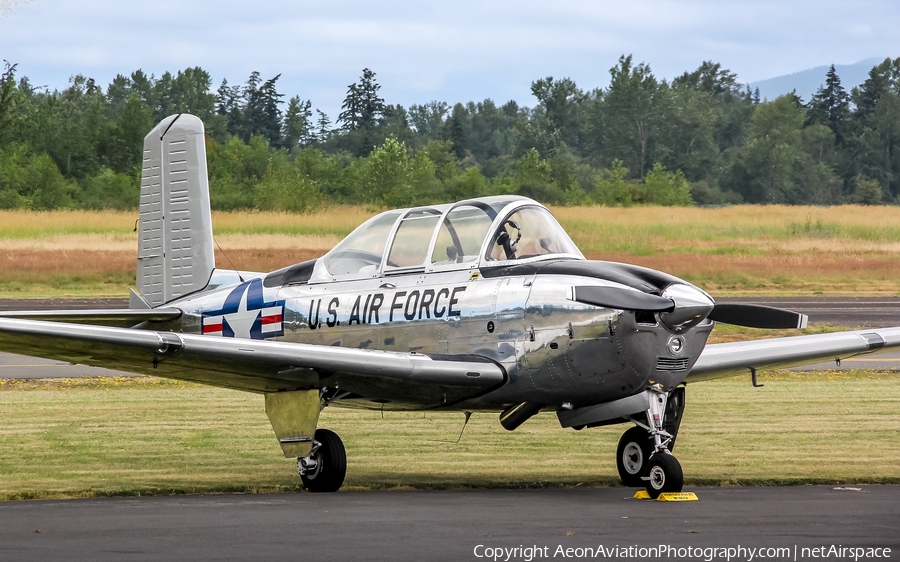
(621, 298)
(123, 318)
(758, 316)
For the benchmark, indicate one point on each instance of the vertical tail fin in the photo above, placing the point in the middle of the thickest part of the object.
(175, 245)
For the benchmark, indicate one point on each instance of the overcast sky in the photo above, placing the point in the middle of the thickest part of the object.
(451, 51)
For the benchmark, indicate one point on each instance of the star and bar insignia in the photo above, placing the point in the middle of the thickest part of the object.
(246, 314)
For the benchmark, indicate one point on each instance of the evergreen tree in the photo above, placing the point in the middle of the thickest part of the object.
(866, 96)
(228, 105)
(362, 114)
(8, 95)
(362, 108)
(261, 114)
(457, 132)
(298, 126)
(830, 106)
(323, 127)
(875, 148)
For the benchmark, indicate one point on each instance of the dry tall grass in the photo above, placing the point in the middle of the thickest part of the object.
(736, 218)
(735, 250)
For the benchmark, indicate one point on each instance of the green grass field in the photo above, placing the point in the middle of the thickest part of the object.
(143, 436)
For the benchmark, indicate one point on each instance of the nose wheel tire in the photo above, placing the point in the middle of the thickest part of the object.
(665, 475)
(326, 465)
(632, 456)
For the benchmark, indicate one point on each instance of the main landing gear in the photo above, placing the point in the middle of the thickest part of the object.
(644, 456)
(323, 470)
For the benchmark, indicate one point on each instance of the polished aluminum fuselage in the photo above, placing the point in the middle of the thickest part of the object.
(554, 351)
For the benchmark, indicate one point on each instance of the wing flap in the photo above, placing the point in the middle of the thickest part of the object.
(254, 365)
(727, 359)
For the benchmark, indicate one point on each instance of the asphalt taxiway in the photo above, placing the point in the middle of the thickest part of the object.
(452, 525)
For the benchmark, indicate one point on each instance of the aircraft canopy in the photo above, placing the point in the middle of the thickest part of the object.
(461, 235)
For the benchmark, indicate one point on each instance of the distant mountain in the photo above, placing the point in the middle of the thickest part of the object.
(807, 82)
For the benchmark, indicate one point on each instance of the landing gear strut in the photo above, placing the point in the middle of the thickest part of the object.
(325, 467)
(643, 456)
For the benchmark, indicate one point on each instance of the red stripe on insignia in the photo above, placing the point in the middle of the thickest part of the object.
(273, 319)
(208, 328)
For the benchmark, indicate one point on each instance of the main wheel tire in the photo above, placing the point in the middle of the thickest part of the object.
(665, 475)
(632, 455)
(331, 464)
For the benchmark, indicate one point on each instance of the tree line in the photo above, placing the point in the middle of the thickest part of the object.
(701, 138)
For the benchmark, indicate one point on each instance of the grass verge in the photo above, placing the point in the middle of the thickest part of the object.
(140, 436)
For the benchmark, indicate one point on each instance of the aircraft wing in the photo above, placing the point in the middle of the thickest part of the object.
(728, 359)
(257, 365)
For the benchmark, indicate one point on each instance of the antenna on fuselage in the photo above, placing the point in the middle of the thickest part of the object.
(240, 277)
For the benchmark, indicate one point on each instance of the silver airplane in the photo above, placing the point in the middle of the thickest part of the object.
(480, 305)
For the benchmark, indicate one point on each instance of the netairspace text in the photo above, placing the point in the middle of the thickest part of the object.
(707, 554)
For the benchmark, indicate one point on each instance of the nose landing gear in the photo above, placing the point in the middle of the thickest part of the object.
(632, 455)
(664, 474)
(643, 457)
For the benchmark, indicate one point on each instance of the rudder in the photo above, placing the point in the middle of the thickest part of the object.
(175, 244)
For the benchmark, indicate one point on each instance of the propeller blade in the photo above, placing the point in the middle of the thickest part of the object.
(757, 316)
(622, 299)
